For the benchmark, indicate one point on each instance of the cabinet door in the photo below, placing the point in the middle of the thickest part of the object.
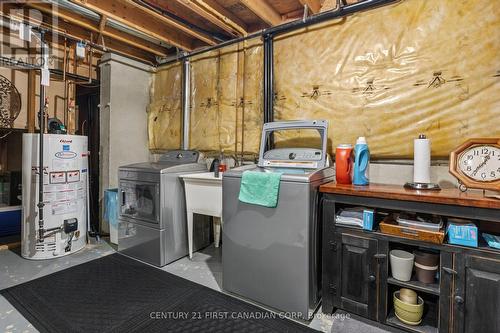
(356, 277)
(476, 303)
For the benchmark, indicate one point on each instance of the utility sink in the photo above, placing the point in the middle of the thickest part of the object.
(203, 196)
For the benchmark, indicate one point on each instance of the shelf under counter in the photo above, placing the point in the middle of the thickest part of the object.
(431, 288)
(426, 326)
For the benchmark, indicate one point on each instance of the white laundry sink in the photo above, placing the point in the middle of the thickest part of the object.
(203, 196)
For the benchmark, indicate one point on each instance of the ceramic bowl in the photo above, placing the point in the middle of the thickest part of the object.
(408, 313)
(408, 296)
(401, 264)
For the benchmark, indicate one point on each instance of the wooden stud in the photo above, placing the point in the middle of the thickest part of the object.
(31, 108)
(263, 10)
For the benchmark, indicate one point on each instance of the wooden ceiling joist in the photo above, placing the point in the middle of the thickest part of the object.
(175, 24)
(112, 45)
(65, 29)
(216, 14)
(101, 29)
(313, 5)
(121, 11)
(263, 10)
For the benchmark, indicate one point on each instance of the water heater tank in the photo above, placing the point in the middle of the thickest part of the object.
(65, 188)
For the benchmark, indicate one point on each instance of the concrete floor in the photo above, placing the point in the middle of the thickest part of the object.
(205, 269)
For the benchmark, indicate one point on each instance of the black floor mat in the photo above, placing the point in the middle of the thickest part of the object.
(118, 294)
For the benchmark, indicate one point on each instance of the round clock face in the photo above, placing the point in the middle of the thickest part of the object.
(481, 163)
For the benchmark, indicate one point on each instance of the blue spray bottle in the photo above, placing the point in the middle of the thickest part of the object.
(361, 162)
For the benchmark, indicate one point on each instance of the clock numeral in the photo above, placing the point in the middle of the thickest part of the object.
(470, 157)
(469, 168)
(483, 175)
(492, 174)
(485, 151)
(476, 152)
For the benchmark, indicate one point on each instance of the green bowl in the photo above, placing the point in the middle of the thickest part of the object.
(410, 313)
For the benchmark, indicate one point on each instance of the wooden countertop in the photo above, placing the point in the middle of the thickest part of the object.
(395, 192)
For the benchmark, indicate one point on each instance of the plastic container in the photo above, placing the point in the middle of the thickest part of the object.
(419, 224)
(401, 264)
(361, 162)
(343, 164)
(111, 213)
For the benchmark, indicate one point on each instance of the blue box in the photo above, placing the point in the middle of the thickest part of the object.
(10, 220)
(465, 234)
(368, 219)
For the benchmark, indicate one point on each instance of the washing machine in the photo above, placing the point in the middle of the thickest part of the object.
(152, 213)
(272, 255)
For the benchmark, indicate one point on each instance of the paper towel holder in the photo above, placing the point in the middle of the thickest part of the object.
(422, 186)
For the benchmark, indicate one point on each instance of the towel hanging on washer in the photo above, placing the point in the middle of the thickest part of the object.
(260, 188)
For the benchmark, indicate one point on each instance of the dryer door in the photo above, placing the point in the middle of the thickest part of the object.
(140, 200)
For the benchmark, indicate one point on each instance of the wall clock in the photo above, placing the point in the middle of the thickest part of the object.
(476, 164)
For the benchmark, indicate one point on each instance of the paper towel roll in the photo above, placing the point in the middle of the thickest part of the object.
(422, 161)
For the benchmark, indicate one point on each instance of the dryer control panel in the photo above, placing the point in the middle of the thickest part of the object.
(180, 156)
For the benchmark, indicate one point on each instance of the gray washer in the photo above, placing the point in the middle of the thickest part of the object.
(152, 214)
(271, 255)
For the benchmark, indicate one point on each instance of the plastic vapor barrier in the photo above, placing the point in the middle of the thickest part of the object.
(165, 110)
(226, 99)
(394, 72)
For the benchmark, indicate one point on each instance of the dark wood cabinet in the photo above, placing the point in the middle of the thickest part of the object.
(465, 297)
(356, 271)
(476, 301)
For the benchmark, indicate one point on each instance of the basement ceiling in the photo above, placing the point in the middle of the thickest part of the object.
(149, 30)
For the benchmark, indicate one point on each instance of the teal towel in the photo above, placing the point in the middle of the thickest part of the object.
(260, 188)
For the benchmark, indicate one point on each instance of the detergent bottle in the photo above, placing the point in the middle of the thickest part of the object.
(361, 162)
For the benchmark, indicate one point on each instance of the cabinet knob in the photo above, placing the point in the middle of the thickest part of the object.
(459, 300)
(372, 278)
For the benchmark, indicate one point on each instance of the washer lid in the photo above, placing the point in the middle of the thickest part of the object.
(168, 160)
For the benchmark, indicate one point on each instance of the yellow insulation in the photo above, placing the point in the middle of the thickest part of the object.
(388, 74)
(165, 110)
(226, 99)
(391, 73)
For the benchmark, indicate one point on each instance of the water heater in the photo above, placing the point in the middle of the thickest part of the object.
(65, 195)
